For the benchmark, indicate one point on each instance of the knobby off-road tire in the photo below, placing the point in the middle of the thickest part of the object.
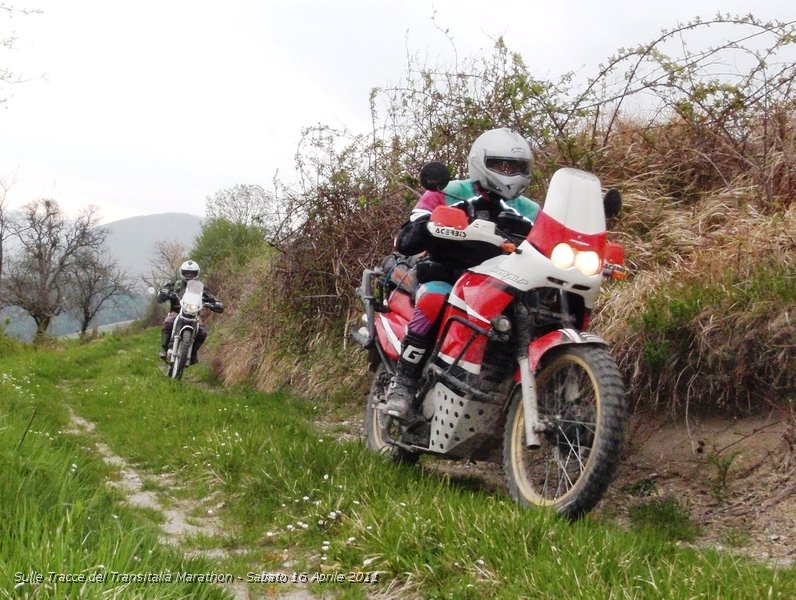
(374, 420)
(182, 355)
(582, 399)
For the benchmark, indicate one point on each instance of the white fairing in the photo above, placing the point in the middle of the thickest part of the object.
(531, 269)
(192, 298)
(574, 199)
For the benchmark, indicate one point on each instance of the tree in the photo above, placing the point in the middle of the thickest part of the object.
(5, 220)
(224, 244)
(7, 76)
(245, 204)
(50, 244)
(166, 263)
(94, 280)
(251, 207)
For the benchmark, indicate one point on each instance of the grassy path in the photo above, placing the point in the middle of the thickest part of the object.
(284, 502)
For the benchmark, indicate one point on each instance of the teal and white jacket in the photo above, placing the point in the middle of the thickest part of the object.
(478, 203)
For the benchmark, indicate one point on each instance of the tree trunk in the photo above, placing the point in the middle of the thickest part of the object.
(42, 324)
(84, 321)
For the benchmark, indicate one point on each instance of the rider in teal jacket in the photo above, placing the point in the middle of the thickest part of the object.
(499, 171)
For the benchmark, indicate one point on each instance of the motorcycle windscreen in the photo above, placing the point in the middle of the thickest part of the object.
(574, 199)
(193, 293)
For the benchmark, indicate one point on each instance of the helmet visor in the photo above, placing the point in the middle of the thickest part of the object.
(508, 166)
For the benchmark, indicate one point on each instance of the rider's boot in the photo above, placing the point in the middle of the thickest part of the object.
(194, 357)
(406, 380)
(165, 338)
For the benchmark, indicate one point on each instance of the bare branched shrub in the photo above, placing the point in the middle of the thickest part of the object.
(700, 139)
(704, 116)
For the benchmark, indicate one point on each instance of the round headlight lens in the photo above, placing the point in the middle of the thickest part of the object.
(563, 256)
(191, 309)
(588, 262)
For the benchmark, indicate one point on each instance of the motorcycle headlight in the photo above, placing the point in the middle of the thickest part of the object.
(192, 309)
(563, 256)
(587, 262)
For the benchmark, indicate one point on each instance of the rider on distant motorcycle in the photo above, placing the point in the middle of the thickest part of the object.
(499, 171)
(173, 292)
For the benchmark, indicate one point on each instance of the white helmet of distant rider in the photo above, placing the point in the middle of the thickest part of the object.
(501, 160)
(189, 270)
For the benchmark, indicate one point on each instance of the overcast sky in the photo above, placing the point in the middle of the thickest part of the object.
(151, 106)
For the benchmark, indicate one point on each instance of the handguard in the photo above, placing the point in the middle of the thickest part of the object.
(614, 262)
(448, 216)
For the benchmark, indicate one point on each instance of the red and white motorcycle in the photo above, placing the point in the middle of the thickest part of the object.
(514, 376)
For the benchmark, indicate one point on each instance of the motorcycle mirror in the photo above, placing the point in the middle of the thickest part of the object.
(434, 176)
(150, 290)
(612, 203)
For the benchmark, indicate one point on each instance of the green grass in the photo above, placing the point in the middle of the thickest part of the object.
(288, 493)
(713, 342)
(665, 516)
(56, 515)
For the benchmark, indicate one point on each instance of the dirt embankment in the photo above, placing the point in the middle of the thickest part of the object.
(736, 477)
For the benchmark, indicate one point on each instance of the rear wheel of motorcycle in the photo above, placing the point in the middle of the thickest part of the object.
(581, 402)
(374, 421)
(183, 352)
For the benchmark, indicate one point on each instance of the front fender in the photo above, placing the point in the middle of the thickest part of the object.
(187, 326)
(561, 337)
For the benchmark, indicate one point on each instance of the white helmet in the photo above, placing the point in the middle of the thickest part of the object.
(500, 160)
(189, 270)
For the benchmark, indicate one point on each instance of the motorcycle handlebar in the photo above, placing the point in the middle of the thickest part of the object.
(214, 306)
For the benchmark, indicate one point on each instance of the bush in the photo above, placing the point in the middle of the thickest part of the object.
(708, 187)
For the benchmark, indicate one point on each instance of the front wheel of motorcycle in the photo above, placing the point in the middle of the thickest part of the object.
(375, 421)
(182, 354)
(582, 408)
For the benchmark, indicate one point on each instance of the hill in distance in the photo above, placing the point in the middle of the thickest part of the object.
(131, 242)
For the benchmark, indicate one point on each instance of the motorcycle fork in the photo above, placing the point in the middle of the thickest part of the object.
(172, 346)
(530, 400)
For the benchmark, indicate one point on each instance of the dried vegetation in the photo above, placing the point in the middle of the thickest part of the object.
(700, 141)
